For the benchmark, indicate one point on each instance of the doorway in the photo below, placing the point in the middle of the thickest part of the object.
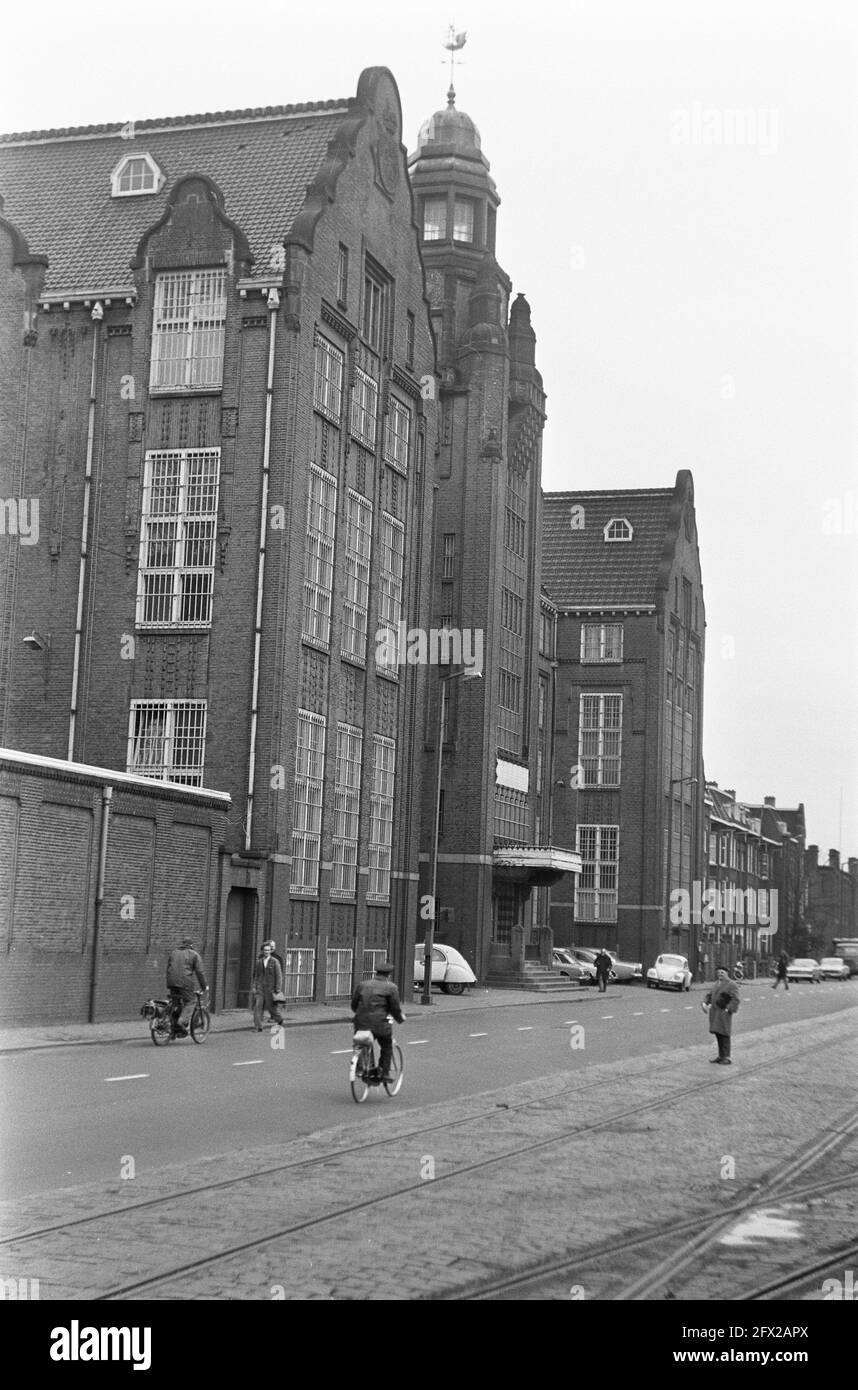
(241, 909)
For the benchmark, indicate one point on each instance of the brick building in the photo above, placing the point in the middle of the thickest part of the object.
(783, 834)
(623, 569)
(743, 852)
(213, 334)
(495, 814)
(831, 901)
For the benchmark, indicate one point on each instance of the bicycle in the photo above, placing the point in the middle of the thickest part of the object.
(163, 1016)
(364, 1069)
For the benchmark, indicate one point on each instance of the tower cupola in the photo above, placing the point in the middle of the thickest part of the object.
(455, 193)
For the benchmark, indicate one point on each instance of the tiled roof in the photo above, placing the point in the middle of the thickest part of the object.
(56, 184)
(581, 568)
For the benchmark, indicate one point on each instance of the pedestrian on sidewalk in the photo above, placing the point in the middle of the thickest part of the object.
(268, 987)
(781, 971)
(184, 974)
(722, 1001)
(604, 965)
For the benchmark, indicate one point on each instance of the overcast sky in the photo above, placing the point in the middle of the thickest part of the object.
(694, 297)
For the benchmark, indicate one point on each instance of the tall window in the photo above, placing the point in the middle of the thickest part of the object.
(596, 885)
(397, 435)
(509, 691)
(343, 274)
(356, 597)
(514, 532)
(511, 815)
(167, 740)
(601, 642)
(319, 555)
(307, 805)
(409, 339)
(364, 408)
(346, 809)
(435, 219)
(448, 559)
(328, 379)
(390, 593)
(512, 611)
(177, 538)
(374, 307)
(463, 220)
(188, 330)
(600, 739)
(381, 817)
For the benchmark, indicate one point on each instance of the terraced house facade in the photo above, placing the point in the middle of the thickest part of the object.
(219, 394)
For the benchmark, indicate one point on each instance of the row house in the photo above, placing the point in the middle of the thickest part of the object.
(219, 401)
(831, 902)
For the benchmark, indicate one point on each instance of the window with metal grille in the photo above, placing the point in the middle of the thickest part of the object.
(358, 554)
(299, 974)
(374, 310)
(514, 532)
(409, 339)
(463, 220)
(435, 219)
(512, 612)
(338, 974)
(397, 435)
(328, 379)
(136, 174)
(307, 806)
(188, 327)
(448, 562)
(601, 642)
(510, 816)
(381, 818)
(372, 958)
(319, 555)
(618, 529)
(600, 739)
(364, 413)
(509, 691)
(177, 538)
(167, 740)
(596, 885)
(346, 810)
(390, 594)
(343, 274)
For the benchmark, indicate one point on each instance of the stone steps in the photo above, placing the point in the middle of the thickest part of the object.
(538, 978)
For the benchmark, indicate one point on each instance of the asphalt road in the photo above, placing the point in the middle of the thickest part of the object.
(75, 1114)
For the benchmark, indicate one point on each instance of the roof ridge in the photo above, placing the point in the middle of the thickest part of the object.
(612, 492)
(153, 123)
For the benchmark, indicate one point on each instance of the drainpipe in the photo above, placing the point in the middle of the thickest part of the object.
(106, 797)
(97, 315)
(273, 306)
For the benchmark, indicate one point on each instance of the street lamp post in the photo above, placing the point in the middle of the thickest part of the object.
(469, 673)
(674, 782)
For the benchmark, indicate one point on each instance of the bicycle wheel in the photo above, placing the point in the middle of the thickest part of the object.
(397, 1066)
(160, 1030)
(200, 1024)
(357, 1074)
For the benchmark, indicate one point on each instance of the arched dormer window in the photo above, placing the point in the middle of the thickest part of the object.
(618, 529)
(135, 174)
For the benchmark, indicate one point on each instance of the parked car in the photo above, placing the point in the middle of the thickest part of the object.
(624, 970)
(450, 970)
(834, 968)
(575, 970)
(670, 971)
(804, 970)
(586, 955)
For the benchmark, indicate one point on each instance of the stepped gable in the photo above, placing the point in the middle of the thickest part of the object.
(57, 184)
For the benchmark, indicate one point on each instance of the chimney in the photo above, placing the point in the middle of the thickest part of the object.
(769, 801)
(853, 867)
(813, 856)
(833, 859)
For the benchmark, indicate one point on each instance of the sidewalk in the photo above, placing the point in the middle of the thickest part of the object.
(19, 1039)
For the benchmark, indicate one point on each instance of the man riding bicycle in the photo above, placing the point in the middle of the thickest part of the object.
(184, 973)
(372, 1001)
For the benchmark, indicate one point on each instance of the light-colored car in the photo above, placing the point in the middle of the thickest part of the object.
(575, 970)
(834, 968)
(804, 969)
(450, 970)
(586, 955)
(670, 971)
(625, 970)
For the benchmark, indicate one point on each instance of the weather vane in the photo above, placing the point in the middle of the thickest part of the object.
(453, 43)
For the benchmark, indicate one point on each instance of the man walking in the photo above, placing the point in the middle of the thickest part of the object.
(722, 1001)
(604, 965)
(781, 971)
(184, 974)
(268, 987)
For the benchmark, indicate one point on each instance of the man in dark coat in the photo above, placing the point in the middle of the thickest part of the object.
(604, 965)
(268, 987)
(372, 1001)
(185, 975)
(722, 1001)
(781, 971)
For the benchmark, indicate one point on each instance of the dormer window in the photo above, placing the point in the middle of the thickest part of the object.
(618, 529)
(135, 173)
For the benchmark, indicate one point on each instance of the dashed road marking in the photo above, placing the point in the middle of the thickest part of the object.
(639, 1014)
(689, 1006)
(664, 1011)
(417, 1042)
(569, 1022)
(135, 1076)
(341, 1051)
(607, 1015)
(256, 1062)
(527, 1029)
(478, 1035)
